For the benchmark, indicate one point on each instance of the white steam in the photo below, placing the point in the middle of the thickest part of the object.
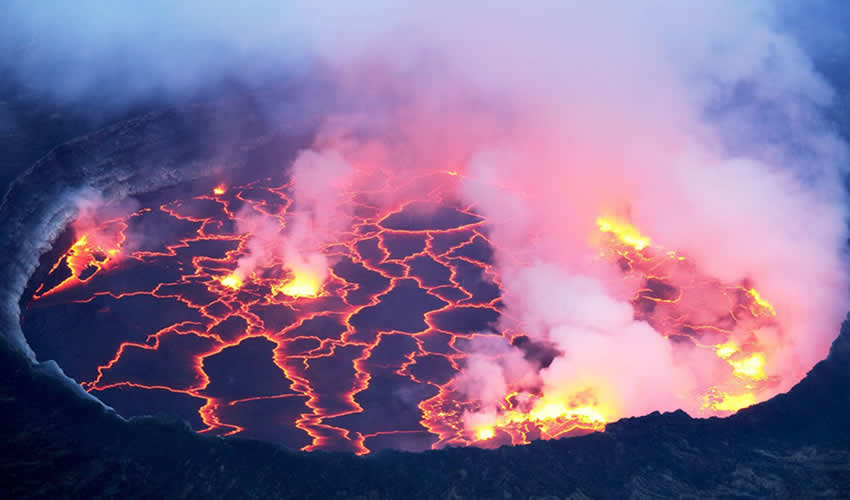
(319, 181)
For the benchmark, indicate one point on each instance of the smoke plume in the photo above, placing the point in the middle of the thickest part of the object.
(319, 181)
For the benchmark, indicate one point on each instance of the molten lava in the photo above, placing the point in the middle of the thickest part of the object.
(674, 311)
(95, 249)
(741, 312)
(751, 367)
(410, 287)
(624, 231)
(484, 433)
(760, 303)
(233, 281)
(303, 284)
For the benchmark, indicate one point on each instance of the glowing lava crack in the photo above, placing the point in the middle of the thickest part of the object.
(364, 359)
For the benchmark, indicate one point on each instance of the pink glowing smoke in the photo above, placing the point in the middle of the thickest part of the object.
(634, 111)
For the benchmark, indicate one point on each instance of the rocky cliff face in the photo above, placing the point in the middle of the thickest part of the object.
(796, 445)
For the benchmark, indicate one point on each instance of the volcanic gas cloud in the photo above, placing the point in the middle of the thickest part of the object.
(665, 205)
(663, 200)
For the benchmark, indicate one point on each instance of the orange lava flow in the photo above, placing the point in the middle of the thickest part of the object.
(345, 322)
(680, 311)
(92, 252)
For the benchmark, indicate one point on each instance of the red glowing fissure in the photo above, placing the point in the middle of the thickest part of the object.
(371, 243)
